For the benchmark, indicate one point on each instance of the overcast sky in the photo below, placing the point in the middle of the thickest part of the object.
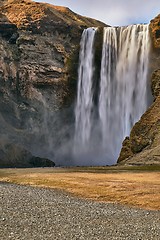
(113, 12)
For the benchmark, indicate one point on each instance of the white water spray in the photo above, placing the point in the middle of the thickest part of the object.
(83, 111)
(123, 89)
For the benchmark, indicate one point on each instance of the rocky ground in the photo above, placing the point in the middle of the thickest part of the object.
(36, 213)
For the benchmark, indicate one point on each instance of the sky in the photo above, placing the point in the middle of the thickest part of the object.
(113, 12)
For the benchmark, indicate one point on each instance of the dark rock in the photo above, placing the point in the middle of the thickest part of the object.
(157, 35)
(14, 38)
(8, 30)
(155, 32)
(41, 162)
(13, 155)
(155, 85)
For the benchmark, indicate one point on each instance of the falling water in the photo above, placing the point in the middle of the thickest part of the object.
(122, 88)
(83, 111)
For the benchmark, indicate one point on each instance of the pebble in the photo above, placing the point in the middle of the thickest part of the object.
(30, 213)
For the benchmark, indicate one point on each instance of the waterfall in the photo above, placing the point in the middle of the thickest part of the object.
(123, 84)
(83, 110)
(123, 89)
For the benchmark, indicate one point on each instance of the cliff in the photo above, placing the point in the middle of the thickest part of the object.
(39, 45)
(143, 144)
(39, 41)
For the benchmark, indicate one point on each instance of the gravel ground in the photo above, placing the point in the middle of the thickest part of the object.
(35, 213)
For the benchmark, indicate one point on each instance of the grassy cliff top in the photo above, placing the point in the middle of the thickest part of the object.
(23, 12)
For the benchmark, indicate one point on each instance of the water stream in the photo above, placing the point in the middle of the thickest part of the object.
(123, 92)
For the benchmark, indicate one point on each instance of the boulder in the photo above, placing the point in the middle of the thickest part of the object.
(12, 155)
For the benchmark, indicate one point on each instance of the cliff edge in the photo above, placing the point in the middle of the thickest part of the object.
(39, 46)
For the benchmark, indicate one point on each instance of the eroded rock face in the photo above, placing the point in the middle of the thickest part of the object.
(156, 83)
(47, 36)
(155, 31)
(39, 45)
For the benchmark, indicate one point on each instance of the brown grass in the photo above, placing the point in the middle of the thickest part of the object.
(135, 188)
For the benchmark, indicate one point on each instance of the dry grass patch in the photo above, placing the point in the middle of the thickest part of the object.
(140, 189)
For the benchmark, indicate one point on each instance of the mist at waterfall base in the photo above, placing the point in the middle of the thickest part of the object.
(106, 107)
(123, 93)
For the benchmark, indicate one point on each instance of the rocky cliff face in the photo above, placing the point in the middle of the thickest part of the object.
(39, 46)
(39, 40)
(155, 31)
(143, 145)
